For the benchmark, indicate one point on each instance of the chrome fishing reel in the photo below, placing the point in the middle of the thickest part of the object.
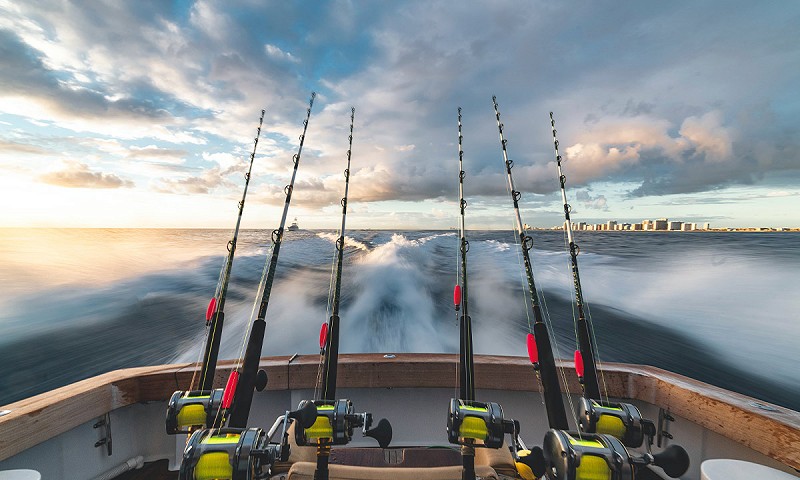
(224, 454)
(239, 453)
(621, 420)
(477, 424)
(335, 422)
(585, 456)
(573, 456)
(190, 410)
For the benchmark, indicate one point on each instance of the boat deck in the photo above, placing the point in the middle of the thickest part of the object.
(367, 457)
(56, 434)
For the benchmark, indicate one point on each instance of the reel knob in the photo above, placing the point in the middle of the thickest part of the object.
(673, 460)
(382, 433)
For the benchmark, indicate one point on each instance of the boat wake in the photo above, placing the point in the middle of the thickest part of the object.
(713, 306)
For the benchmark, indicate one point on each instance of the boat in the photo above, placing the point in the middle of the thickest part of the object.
(68, 433)
(112, 426)
(293, 227)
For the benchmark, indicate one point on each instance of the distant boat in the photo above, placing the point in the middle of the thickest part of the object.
(293, 227)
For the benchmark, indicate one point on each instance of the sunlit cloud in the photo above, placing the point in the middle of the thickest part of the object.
(167, 96)
(79, 175)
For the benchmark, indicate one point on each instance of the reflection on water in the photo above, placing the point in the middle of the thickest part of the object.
(717, 307)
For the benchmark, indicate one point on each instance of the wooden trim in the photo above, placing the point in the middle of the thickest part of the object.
(773, 433)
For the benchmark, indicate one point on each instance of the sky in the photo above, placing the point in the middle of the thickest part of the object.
(143, 114)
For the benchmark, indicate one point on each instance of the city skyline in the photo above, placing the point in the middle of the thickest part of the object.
(142, 114)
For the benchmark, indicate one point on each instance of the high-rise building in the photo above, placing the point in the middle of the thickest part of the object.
(675, 225)
(661, 224)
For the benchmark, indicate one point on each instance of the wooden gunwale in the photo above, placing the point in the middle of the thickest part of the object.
(773, 433)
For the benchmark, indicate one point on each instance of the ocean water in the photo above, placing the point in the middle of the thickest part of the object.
(719, 307)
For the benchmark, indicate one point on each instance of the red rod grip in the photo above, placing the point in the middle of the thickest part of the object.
(579, 363)
(533, 351)
(457, 296)
(323, 336)
(230, 389)
(212, 307)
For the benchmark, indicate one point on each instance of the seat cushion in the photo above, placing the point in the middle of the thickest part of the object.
(305, 471)
(500, 459)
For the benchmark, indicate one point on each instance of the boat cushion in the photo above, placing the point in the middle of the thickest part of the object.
(500, 459)
(305, 471)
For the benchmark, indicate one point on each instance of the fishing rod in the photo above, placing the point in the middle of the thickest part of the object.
(470, 423)
(606, 429)
(540, 349)
(585, 357)
(466, 366)
(250, 377)
(228, 449)
(336, 419)
(331, 329)
(193, 408)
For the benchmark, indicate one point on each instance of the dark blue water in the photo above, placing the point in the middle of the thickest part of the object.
(719, 307)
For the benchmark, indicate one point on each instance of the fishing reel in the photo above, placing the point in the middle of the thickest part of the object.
(188, 410)
(621, 420)
(588, 456)
(224, 454)
(477, 424)
(239, 453)
(335, 422)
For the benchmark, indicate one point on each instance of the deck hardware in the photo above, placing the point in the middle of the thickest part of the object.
(390, 355)
(663, 418)
(293, 358)
(104, 421)
(4, 412)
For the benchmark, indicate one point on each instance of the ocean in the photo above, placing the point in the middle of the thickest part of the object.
(718, 307)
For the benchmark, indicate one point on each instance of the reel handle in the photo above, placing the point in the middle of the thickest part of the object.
(673, 460)
(382, 433)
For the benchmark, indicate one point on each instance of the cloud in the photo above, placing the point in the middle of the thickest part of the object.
(277, 53)
(23, 148)
(192, 185)
(661, 102)
(598, 202)
(79, 175)
(169, 155)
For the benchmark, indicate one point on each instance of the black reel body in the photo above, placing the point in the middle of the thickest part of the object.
(225, 454)
(586, 456)
(336, 420)
(192, 409)
(477, 424)
(621, 420)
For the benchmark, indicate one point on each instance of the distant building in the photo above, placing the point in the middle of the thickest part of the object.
(688, 227)
(706, 226)
(611, 225)
(626, 226)
(675, 225)
(582, 226)
(661, 224)
(647, 225)
(637, 226)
